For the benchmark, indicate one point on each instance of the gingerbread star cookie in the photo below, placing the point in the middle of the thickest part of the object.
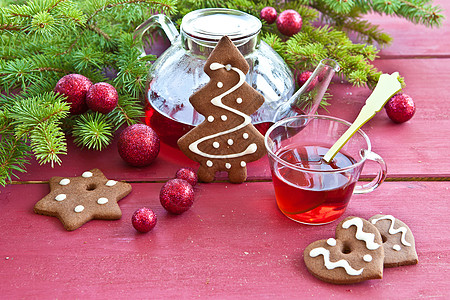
(77, 200)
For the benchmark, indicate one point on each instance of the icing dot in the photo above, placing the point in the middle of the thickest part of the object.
(209, 163)
(367, 258)
(220, 85)
(228, 67)
(64, 181)
(210, 118)
(223, 117)
(397, 247)
(87, 174)
(230, 142)
(216, 145)
(228, 165)
(239, 100)
(102, 200)
(110, 183)
(245, 135)
(243, 163)
(61, 197)
(79, 208)
(331, 242)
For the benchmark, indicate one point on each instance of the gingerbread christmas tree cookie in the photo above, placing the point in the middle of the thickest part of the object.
(226, 140)
(77, 200)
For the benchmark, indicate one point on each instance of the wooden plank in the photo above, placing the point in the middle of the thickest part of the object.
(411, 149)
(232, 243)
(410, 40)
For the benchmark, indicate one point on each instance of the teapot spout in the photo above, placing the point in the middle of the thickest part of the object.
(307, 99)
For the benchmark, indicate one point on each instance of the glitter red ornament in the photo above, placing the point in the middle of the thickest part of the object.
(176, 196)
(303, 77)
(187, 174)
(400, 108)
(75, 87)
(268, 14)
(138, 145)
(102, 97)
(144, 220)
(289, 22)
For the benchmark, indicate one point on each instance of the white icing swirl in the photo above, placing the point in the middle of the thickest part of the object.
(401, 229)
(217, 101)
(367, 237)
(332, 265)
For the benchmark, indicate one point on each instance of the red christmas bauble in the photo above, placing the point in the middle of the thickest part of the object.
(400, 108)
(303, 77)
(75, 87)
(289, 22)
(187, 174)
(143, 220)
(268, 14)
(138, 145)
(102, 97)
(176, 196)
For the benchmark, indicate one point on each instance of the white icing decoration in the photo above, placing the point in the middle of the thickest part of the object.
(79, 208)
(367, 258)
(64, 181)
(331, 242)
(239, 100)
(220, 85)
(245, 136)
(223, 117)
(217, 101)
(243, 163)
(332, 265)
(60, 197)
(210, 118)
(110, 183)
(230, 142)
(367, 237)
(228, 67)
(209, 163)
(397, 247)
(401, 229)
(228, 165)
(216, 145)
(102, 200)
(87, 174)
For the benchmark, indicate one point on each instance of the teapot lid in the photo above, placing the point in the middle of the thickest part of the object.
(213, 23)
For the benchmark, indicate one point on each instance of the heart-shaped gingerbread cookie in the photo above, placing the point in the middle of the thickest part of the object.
(355, 255)
(398, 241)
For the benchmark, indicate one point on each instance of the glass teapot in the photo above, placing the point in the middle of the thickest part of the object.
(178, 72)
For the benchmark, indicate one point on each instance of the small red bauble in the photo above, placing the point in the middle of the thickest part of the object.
(289, 22)
(138, 145)
(75, 87)
(143, 220)
(303, 77)
(176, 196)
(187, 174)
(102, 97)
(400, 108)
(268, 14)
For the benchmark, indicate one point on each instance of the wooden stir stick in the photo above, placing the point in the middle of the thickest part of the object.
(387, 86)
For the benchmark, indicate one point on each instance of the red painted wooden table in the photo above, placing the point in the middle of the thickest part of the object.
(233, 242)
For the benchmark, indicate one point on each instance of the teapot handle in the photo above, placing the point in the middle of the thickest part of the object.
(159, 20)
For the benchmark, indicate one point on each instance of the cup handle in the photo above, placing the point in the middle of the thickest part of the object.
(381, 176)
(161, 21)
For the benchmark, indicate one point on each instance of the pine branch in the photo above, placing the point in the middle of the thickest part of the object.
(92, 130)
